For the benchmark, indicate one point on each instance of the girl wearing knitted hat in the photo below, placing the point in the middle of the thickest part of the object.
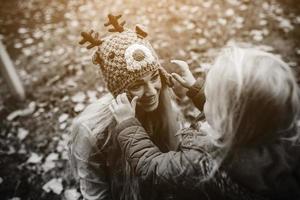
(252, 107)
(127, 64)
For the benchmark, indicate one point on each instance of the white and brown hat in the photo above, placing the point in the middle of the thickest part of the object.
(124, 56)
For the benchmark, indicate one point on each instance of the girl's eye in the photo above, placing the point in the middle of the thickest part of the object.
(135, 87)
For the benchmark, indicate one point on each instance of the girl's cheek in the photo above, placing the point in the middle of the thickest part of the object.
(139, 94)
(158, 84)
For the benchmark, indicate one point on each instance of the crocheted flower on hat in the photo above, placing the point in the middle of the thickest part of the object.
(138, 56)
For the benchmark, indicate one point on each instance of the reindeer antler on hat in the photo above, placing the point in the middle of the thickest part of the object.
(92, 39)
(140, 32)
(113, 20)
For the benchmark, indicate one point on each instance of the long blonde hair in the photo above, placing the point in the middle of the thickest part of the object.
(253, 99)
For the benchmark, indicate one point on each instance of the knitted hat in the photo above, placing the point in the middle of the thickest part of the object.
(124, 56)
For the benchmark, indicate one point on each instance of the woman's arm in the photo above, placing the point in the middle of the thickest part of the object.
(89, 163)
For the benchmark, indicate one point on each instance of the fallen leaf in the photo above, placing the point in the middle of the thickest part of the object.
(52, 157)
(62, 126)
(101, 89)
(229, 12)
(292, 64)
(71, 83)
(297, 20)
(54, 185)
(63, 117)
(92, 95)
(79, 107)
(11, 150)
(258, 38)
(263, 22)
(72, 194)
(65, 155)
(66, 98)
(25, 112)
(18, 45)
(285, 24)
(22, 30)
(28, 41)
(222, 21)
(22, 150)
(48, 165)
(62, 145)
(78, 97)
(34, 158)
(22, 133)
(15, 198)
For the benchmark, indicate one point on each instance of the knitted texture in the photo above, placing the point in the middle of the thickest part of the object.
(124, 58)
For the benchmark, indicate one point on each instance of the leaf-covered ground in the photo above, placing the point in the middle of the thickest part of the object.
(42, 40)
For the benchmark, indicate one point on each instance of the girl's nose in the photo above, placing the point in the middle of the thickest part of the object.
(150, 89)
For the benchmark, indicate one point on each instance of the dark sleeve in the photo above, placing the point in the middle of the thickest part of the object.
(90, 166)
(183, 168)
(188, 168)
(196, 93)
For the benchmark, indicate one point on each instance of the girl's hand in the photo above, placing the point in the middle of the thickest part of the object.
(122, 108)
(186, 79)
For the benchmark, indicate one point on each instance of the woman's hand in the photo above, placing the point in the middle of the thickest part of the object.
(122, 108)
(186, 79)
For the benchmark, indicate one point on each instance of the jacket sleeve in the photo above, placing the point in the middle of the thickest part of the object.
(196, 93)
(89, 163)
(186, 167)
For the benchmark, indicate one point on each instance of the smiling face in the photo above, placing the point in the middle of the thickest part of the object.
(147, 89)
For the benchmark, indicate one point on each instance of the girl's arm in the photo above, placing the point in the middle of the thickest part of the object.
(176, 168)
(186, 167)
(187, 80)
(190, 168)
(196, 93)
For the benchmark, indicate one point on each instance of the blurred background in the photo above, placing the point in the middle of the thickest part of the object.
(41, 38)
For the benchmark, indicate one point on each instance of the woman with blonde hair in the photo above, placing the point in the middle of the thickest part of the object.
(252, 106)
(127, 63)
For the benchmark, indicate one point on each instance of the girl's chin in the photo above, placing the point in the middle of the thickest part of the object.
(149, 107)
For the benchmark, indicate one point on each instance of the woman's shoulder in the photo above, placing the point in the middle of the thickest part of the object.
(92, 122)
